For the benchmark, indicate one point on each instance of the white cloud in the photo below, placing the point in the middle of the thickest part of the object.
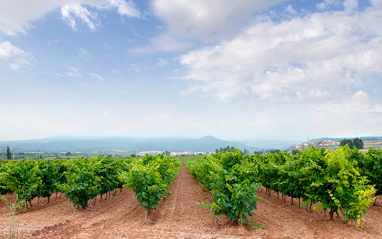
(136, 66)
(376, 3)
(115, 72)
(162, 62)
(83, 53)
(164, 43)
(353, 114)
(308, 58)
(350, 5)
(71, 12)
(16, 57)
(107, 46)
(52, 42)
(96, 76)
(208, 20)
(289, 9)
(125, 8)
(17, 16)
(73, 72)
(326, 4)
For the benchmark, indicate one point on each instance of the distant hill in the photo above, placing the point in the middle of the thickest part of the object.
(121, 145)
(129, 145)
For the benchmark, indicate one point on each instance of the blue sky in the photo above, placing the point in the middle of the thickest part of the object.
(245, 69)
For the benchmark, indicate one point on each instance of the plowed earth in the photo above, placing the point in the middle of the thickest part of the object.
(179, 217)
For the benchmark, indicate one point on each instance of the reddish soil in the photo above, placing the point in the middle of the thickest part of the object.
(179, 217)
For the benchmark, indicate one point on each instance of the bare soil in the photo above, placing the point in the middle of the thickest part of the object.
(179, 217)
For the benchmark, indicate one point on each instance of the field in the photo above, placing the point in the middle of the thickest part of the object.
(377, 144)
(180, 217)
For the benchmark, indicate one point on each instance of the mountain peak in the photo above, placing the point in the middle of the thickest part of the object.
(209, 137)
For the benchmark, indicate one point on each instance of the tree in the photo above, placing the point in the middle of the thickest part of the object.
(226, 149)
(358, 143)
(273, 151)
(9, 155)
(348, 142)
(295, 151)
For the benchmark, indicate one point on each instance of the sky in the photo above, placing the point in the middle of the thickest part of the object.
(243, 69)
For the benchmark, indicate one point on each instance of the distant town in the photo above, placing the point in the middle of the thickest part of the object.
(318, 144)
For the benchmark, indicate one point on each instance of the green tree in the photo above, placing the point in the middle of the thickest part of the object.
(295, 151)
(273, 151)
(347, 142)
(358, 143)
(9, 155)
(226, 149)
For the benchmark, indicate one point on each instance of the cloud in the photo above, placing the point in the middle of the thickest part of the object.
(327, 3)
(136, 66)
(73, 72)
(16, 57)
(96, 76)
(125, 8)
(17, 16)
(208, 20)
(353, 114)
(376, 4)
(164, 43)
(115, 72)
(162, 62)
(351, 5)
(71, 12)
(52, 42)
(107, 46)
(305, 59)
(83, 53)
(289, 9)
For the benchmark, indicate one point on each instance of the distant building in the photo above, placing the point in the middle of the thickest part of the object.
(143, 153)
(188, 153)
(328, 143)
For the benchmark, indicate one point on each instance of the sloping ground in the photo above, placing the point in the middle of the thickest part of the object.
(376, 144)
(180, 217)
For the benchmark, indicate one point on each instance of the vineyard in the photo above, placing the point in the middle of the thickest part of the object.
(298, 192)
(344, 182)
(82, 180)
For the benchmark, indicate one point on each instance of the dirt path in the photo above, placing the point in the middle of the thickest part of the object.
(180, 217)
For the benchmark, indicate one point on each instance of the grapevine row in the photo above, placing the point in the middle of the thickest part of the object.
(231, 178)
(82, 179)
(344, 182)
